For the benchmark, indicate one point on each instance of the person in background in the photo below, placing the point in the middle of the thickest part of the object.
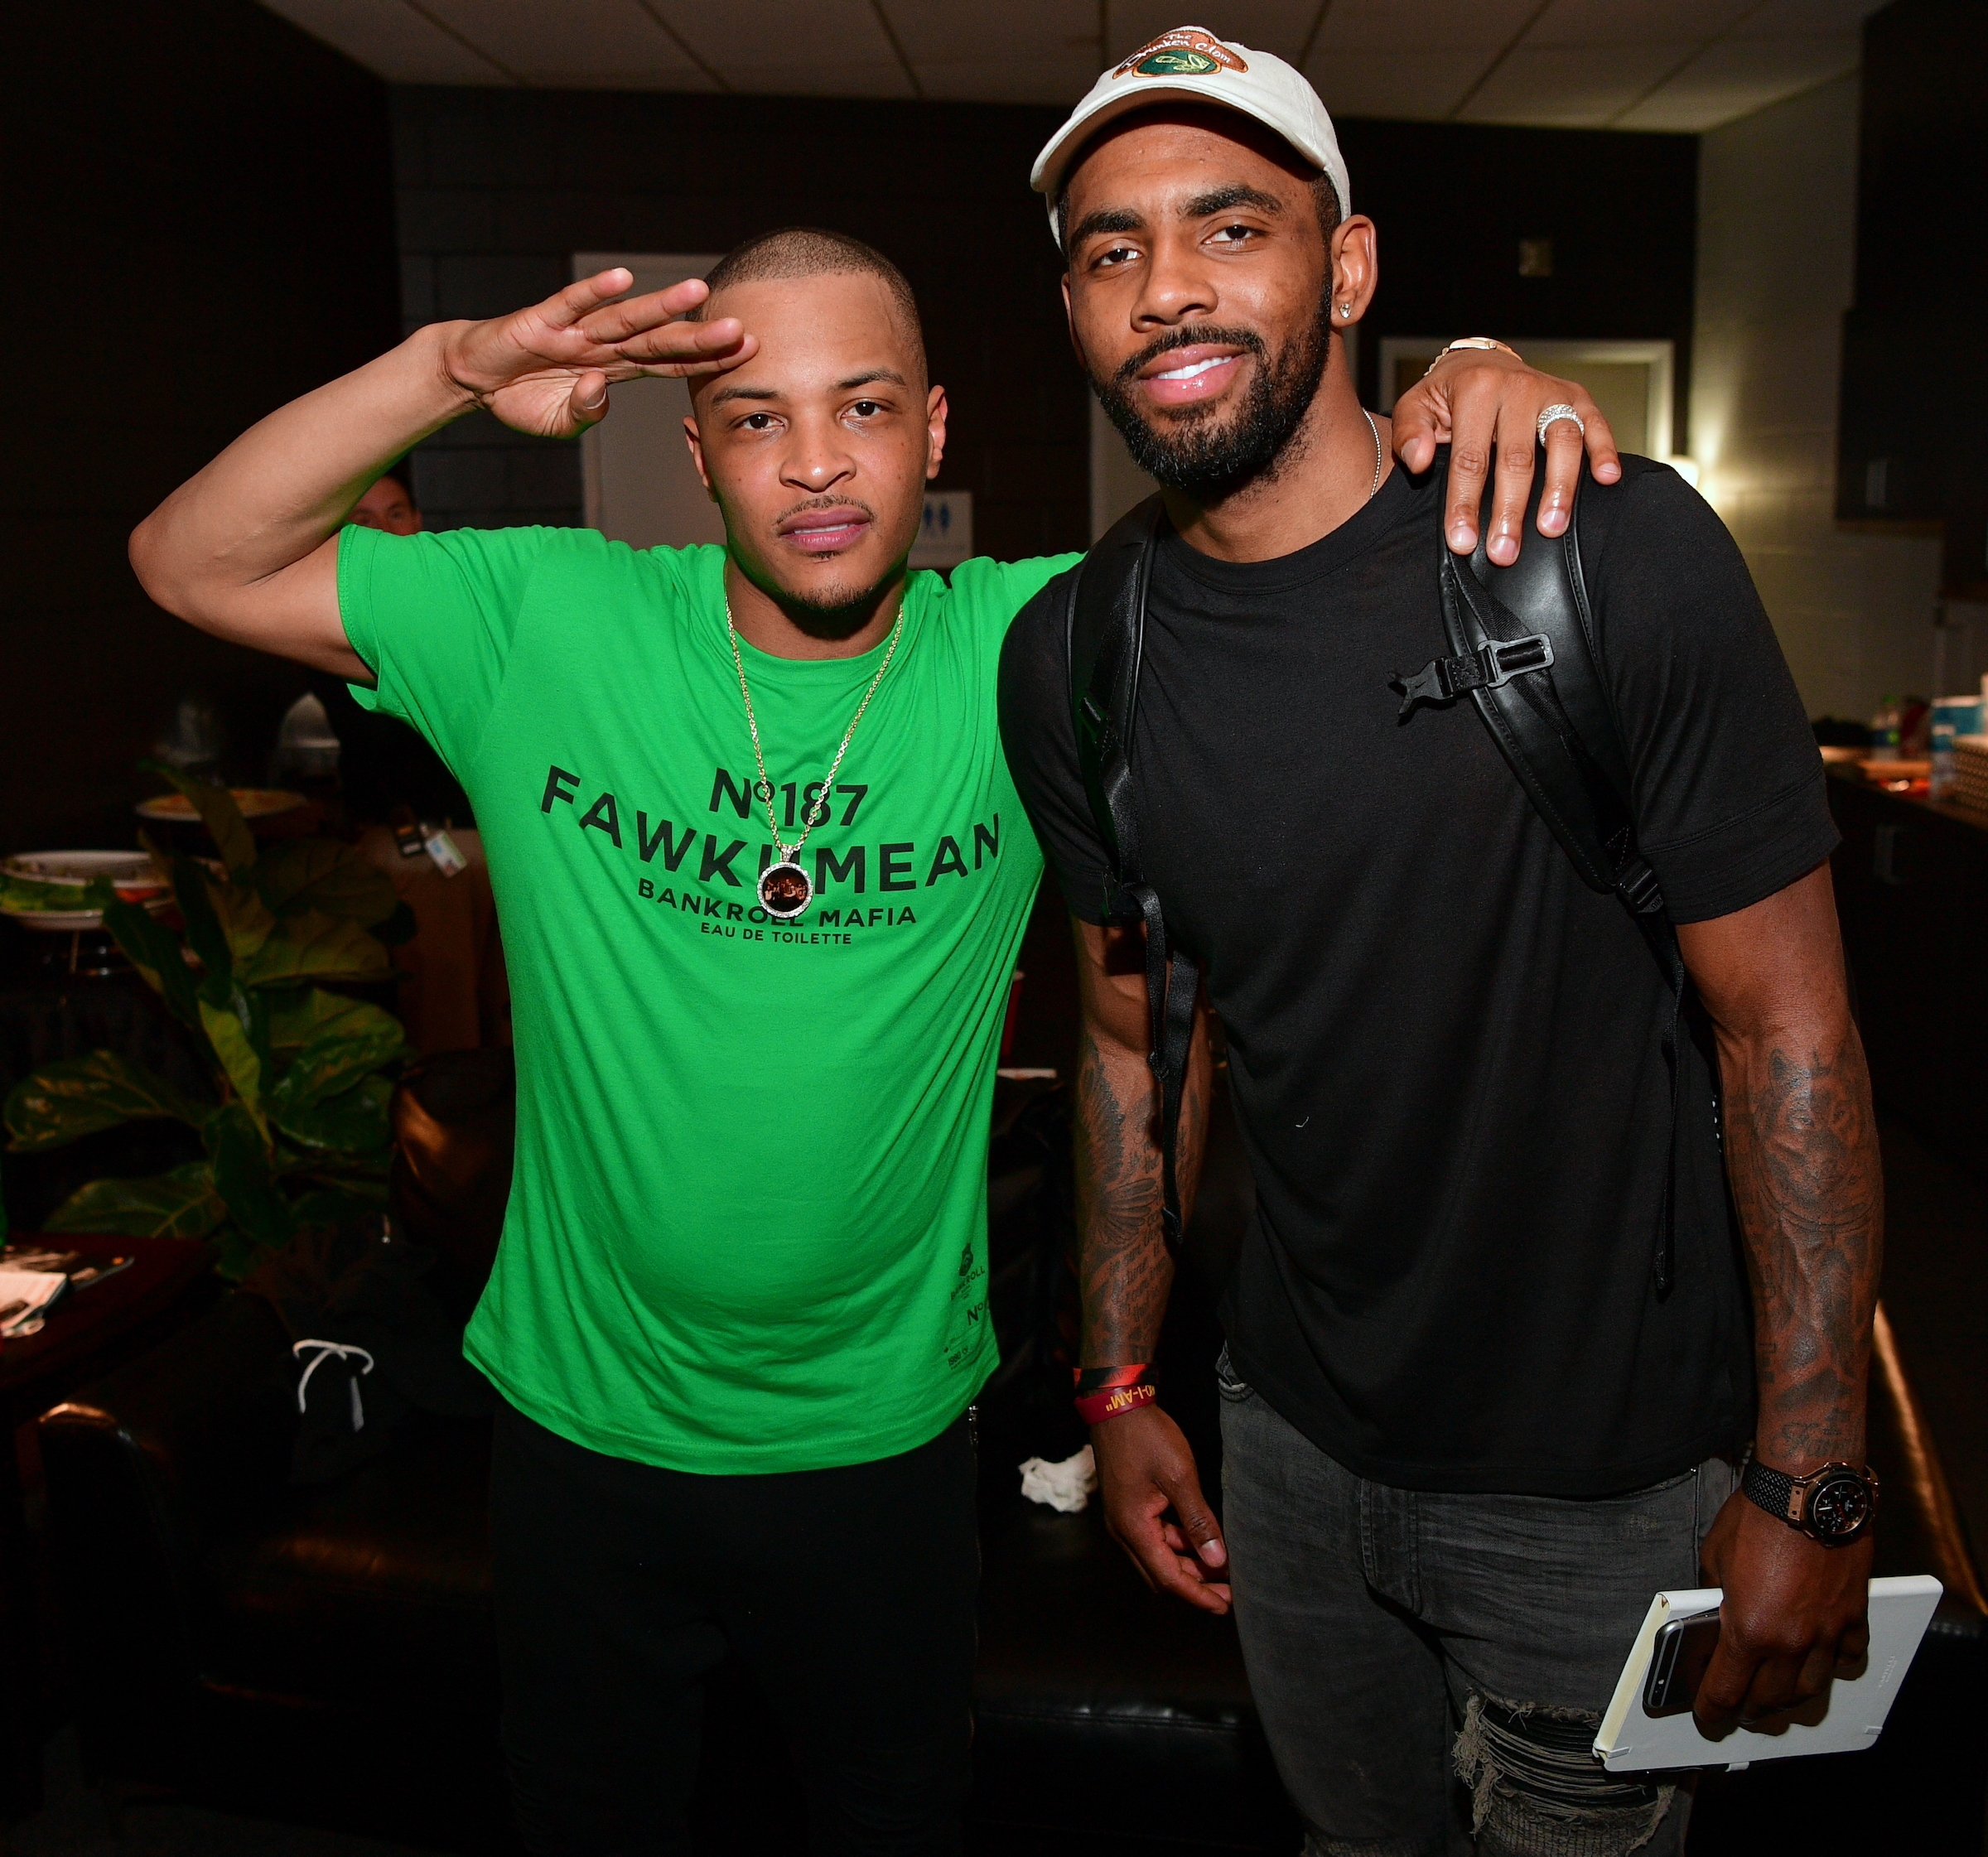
(1491, 1372)
(383, 765)
(454, 994)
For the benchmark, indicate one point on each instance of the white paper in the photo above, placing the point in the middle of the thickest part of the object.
(1849, 1715)
(444, 853)
(37, 1289)
(1065, 1487)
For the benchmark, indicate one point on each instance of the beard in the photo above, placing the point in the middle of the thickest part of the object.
(1210, 451)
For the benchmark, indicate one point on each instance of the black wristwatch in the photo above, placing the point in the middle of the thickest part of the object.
(1834, 1505)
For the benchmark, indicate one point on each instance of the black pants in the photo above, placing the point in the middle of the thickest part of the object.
(850, 1593)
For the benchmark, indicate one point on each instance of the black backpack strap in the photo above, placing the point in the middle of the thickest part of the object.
(1107, 623)
(1527, 652)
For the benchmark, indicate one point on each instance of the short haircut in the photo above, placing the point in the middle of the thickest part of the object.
(808, 251)
(401, 476)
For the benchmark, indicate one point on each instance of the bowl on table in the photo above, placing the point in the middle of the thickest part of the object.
(255, 802)
(39, 889)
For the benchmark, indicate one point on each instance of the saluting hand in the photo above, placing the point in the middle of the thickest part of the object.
(545, 370)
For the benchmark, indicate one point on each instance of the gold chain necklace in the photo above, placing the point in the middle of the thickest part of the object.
(785, 888)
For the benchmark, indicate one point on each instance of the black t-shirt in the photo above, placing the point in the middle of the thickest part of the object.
(1445, 1051)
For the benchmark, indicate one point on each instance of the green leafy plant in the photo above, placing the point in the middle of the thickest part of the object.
(294, 1121)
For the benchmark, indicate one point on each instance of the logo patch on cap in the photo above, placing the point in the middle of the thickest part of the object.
(1186, 51)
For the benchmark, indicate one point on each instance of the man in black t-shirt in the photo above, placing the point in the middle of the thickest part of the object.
(1467, 1432)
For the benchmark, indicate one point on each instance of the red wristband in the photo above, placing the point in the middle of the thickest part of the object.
(1110, 1392)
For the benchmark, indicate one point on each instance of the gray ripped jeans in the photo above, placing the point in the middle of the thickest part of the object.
(1430, 1668)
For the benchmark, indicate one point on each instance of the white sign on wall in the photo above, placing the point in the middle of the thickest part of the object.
(945, 534)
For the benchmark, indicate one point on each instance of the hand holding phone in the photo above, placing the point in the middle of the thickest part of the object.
(1683, 1649)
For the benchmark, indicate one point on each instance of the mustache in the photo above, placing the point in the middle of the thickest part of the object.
(1194, 335)
(823, 502)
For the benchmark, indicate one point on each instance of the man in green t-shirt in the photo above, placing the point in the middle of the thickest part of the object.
(762, 873)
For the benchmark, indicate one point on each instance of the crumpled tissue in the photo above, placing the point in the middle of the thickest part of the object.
(1066, 1486)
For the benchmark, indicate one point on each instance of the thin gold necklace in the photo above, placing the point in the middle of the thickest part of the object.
(785, 888)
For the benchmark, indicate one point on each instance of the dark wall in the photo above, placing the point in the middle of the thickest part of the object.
(497, 188)
(199, 226)
(1915, 371)
(1453, 200)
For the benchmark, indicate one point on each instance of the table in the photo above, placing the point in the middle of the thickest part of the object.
(88, 1333)
(1911, 893)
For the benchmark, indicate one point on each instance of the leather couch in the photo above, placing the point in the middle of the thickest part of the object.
(323, 1652)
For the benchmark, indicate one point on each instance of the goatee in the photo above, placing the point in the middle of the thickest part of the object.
(1203, 452)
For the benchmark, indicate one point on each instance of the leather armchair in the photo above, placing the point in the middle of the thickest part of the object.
(325, 1653)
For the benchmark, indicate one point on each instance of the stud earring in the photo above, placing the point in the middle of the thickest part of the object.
(1345, 309)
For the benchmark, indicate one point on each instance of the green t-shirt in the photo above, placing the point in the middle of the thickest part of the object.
(748, 1223)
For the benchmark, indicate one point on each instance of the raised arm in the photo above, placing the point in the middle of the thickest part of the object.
(1802, 1153)
(1154, 1505)
(248, 548)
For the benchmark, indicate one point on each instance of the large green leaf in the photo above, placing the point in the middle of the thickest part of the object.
(245, 919)
(245, 1178)
(302, 1016)
(203, 933)
(332, 1064)
(76, 1097)
(354, 1122)
(233, 1044)
(323, 875)
(154, 951)
(312, 945)
(218, 811)
(181, 1205)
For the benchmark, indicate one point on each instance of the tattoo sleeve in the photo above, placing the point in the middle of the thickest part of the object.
(1123, 1264)
(1803, 1156)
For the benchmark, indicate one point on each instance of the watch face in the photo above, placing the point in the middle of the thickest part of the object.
(1838, 1508)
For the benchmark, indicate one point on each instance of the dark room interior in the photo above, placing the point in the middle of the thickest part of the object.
(322, 1045)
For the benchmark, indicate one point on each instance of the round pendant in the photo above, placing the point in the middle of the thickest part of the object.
(785, 890)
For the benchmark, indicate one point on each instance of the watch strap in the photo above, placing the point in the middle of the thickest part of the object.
(1772, 1490)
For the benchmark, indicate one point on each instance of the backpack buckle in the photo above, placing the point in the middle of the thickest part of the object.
(1492, 666)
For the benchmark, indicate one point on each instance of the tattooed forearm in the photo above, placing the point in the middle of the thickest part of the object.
(1801, 1151)
(1123, 1262)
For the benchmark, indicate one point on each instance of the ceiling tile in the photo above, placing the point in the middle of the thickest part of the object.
(1582, 61)
(1041, 51)
(1603, 23)
(1738, 76)
(1571, 86)
(792, 48)
(1430, 26)
(1278, 26)
(1422, 85)
(1806, 19)
(591, 44)
(390, 39)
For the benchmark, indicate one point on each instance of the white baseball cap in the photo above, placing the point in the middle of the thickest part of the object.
(1190, 62)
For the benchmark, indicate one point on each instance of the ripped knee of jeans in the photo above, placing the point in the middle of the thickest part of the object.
(1537, 1788)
